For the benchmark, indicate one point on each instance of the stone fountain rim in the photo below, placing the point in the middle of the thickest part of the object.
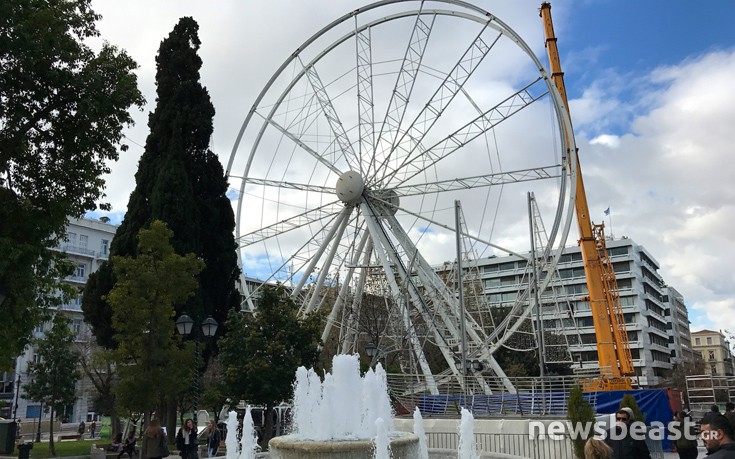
(288, 442)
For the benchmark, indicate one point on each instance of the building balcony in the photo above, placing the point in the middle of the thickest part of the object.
(76, 279)
(75, 250)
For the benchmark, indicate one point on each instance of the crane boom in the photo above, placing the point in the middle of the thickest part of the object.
(613, 349)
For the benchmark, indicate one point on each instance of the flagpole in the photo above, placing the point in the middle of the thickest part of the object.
(609, 219)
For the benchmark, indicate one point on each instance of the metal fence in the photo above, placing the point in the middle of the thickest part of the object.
(486, 396)
(521, 445)
(514, 444)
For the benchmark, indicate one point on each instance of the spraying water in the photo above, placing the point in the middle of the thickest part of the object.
(418, 429)
(233, 452)
(249, 440)
(467, 448)
(344, 406)
(382, 444)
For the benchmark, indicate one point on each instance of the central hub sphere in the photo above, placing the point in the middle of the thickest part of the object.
(350, 186)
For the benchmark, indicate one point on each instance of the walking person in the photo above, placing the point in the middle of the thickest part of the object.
(186, 440)
(82, 428)
(214, 436)
(92, 428)
(686, 444)
(623, 444)
(153, 440)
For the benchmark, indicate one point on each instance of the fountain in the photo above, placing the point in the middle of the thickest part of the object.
(346, 416)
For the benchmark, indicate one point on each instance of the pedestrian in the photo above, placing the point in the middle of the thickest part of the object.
(597, 449)
(92, 428)
(153, 441)
(82, 428)
(213, 438)
(129, 446)
(686, 444)
(186, 440)
(717, 434)
(621, 440)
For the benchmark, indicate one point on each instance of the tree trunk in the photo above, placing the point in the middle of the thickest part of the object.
(267, 427)
(51, 433)
(115, 426)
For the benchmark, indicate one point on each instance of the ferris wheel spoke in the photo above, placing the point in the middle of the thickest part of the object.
(420, 161)
(452, 83)
(479, 181)
(401, 93)
(343, 144)
(292, 223)
(365, 105)
(390, 261)
(390, 205)
(289, 185)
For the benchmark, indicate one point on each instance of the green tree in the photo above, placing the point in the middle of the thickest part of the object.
(628, 401)
(99, 366)
(152, 363)
(62, 110)
(54, 375)
(182, 183)
(260, 352)
(580, 414)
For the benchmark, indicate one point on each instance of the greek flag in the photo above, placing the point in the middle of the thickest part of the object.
(607, 211)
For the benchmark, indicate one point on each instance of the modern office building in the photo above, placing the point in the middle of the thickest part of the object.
(87, 246)
(643, 296)
(714, 348)
(680, 340)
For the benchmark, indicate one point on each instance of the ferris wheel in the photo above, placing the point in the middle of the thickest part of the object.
(354, 159)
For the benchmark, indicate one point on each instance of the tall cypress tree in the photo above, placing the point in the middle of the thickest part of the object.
(180, 182)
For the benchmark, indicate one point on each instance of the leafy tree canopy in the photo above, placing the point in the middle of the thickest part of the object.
(152, 364)
(260, 352)
(180, 182)
(62, 110)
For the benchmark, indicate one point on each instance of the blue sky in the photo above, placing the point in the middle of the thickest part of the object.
(651, 90)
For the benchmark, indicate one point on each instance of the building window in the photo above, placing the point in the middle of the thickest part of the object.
(714, 370)
(711, 355)
(697, 341)
(71, 238)
(709, 340)
(83, 239)
(105, 246)
(81, 268)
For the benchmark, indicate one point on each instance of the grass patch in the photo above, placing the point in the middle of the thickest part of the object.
(64, 448)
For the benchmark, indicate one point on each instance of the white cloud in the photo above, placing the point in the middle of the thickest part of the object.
(668, 180)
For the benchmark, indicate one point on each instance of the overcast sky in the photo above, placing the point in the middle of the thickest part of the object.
(651, 91)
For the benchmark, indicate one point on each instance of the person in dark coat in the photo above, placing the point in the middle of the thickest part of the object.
(187, 440)
(625, 446)
(717, 434)
(153, 440)
(686, 443)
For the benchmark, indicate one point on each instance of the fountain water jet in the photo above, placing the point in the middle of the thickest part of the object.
(339, 417)
(467, 447)
(418, 429)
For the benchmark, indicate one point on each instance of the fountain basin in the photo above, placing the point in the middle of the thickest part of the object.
(403, 446)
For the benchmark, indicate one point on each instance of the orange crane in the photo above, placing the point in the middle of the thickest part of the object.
(613, 349)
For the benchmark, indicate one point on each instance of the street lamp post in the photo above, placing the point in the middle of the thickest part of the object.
(17, 391)
(184, 326)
